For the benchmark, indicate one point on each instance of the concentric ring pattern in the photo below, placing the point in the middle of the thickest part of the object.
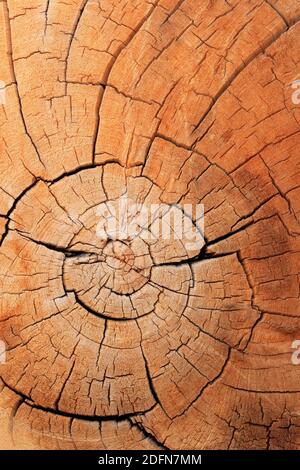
(148, 342)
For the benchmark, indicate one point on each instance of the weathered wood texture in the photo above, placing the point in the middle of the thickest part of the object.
(177, 101)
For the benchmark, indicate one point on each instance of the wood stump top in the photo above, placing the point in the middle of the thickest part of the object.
(115, 336)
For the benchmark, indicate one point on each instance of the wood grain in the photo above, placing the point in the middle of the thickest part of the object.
(148, 344)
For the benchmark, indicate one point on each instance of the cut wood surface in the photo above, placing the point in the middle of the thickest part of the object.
(149, 343)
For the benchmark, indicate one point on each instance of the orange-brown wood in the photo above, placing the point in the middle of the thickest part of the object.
(149, 344)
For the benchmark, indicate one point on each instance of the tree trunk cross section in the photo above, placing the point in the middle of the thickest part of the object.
(145, 342)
